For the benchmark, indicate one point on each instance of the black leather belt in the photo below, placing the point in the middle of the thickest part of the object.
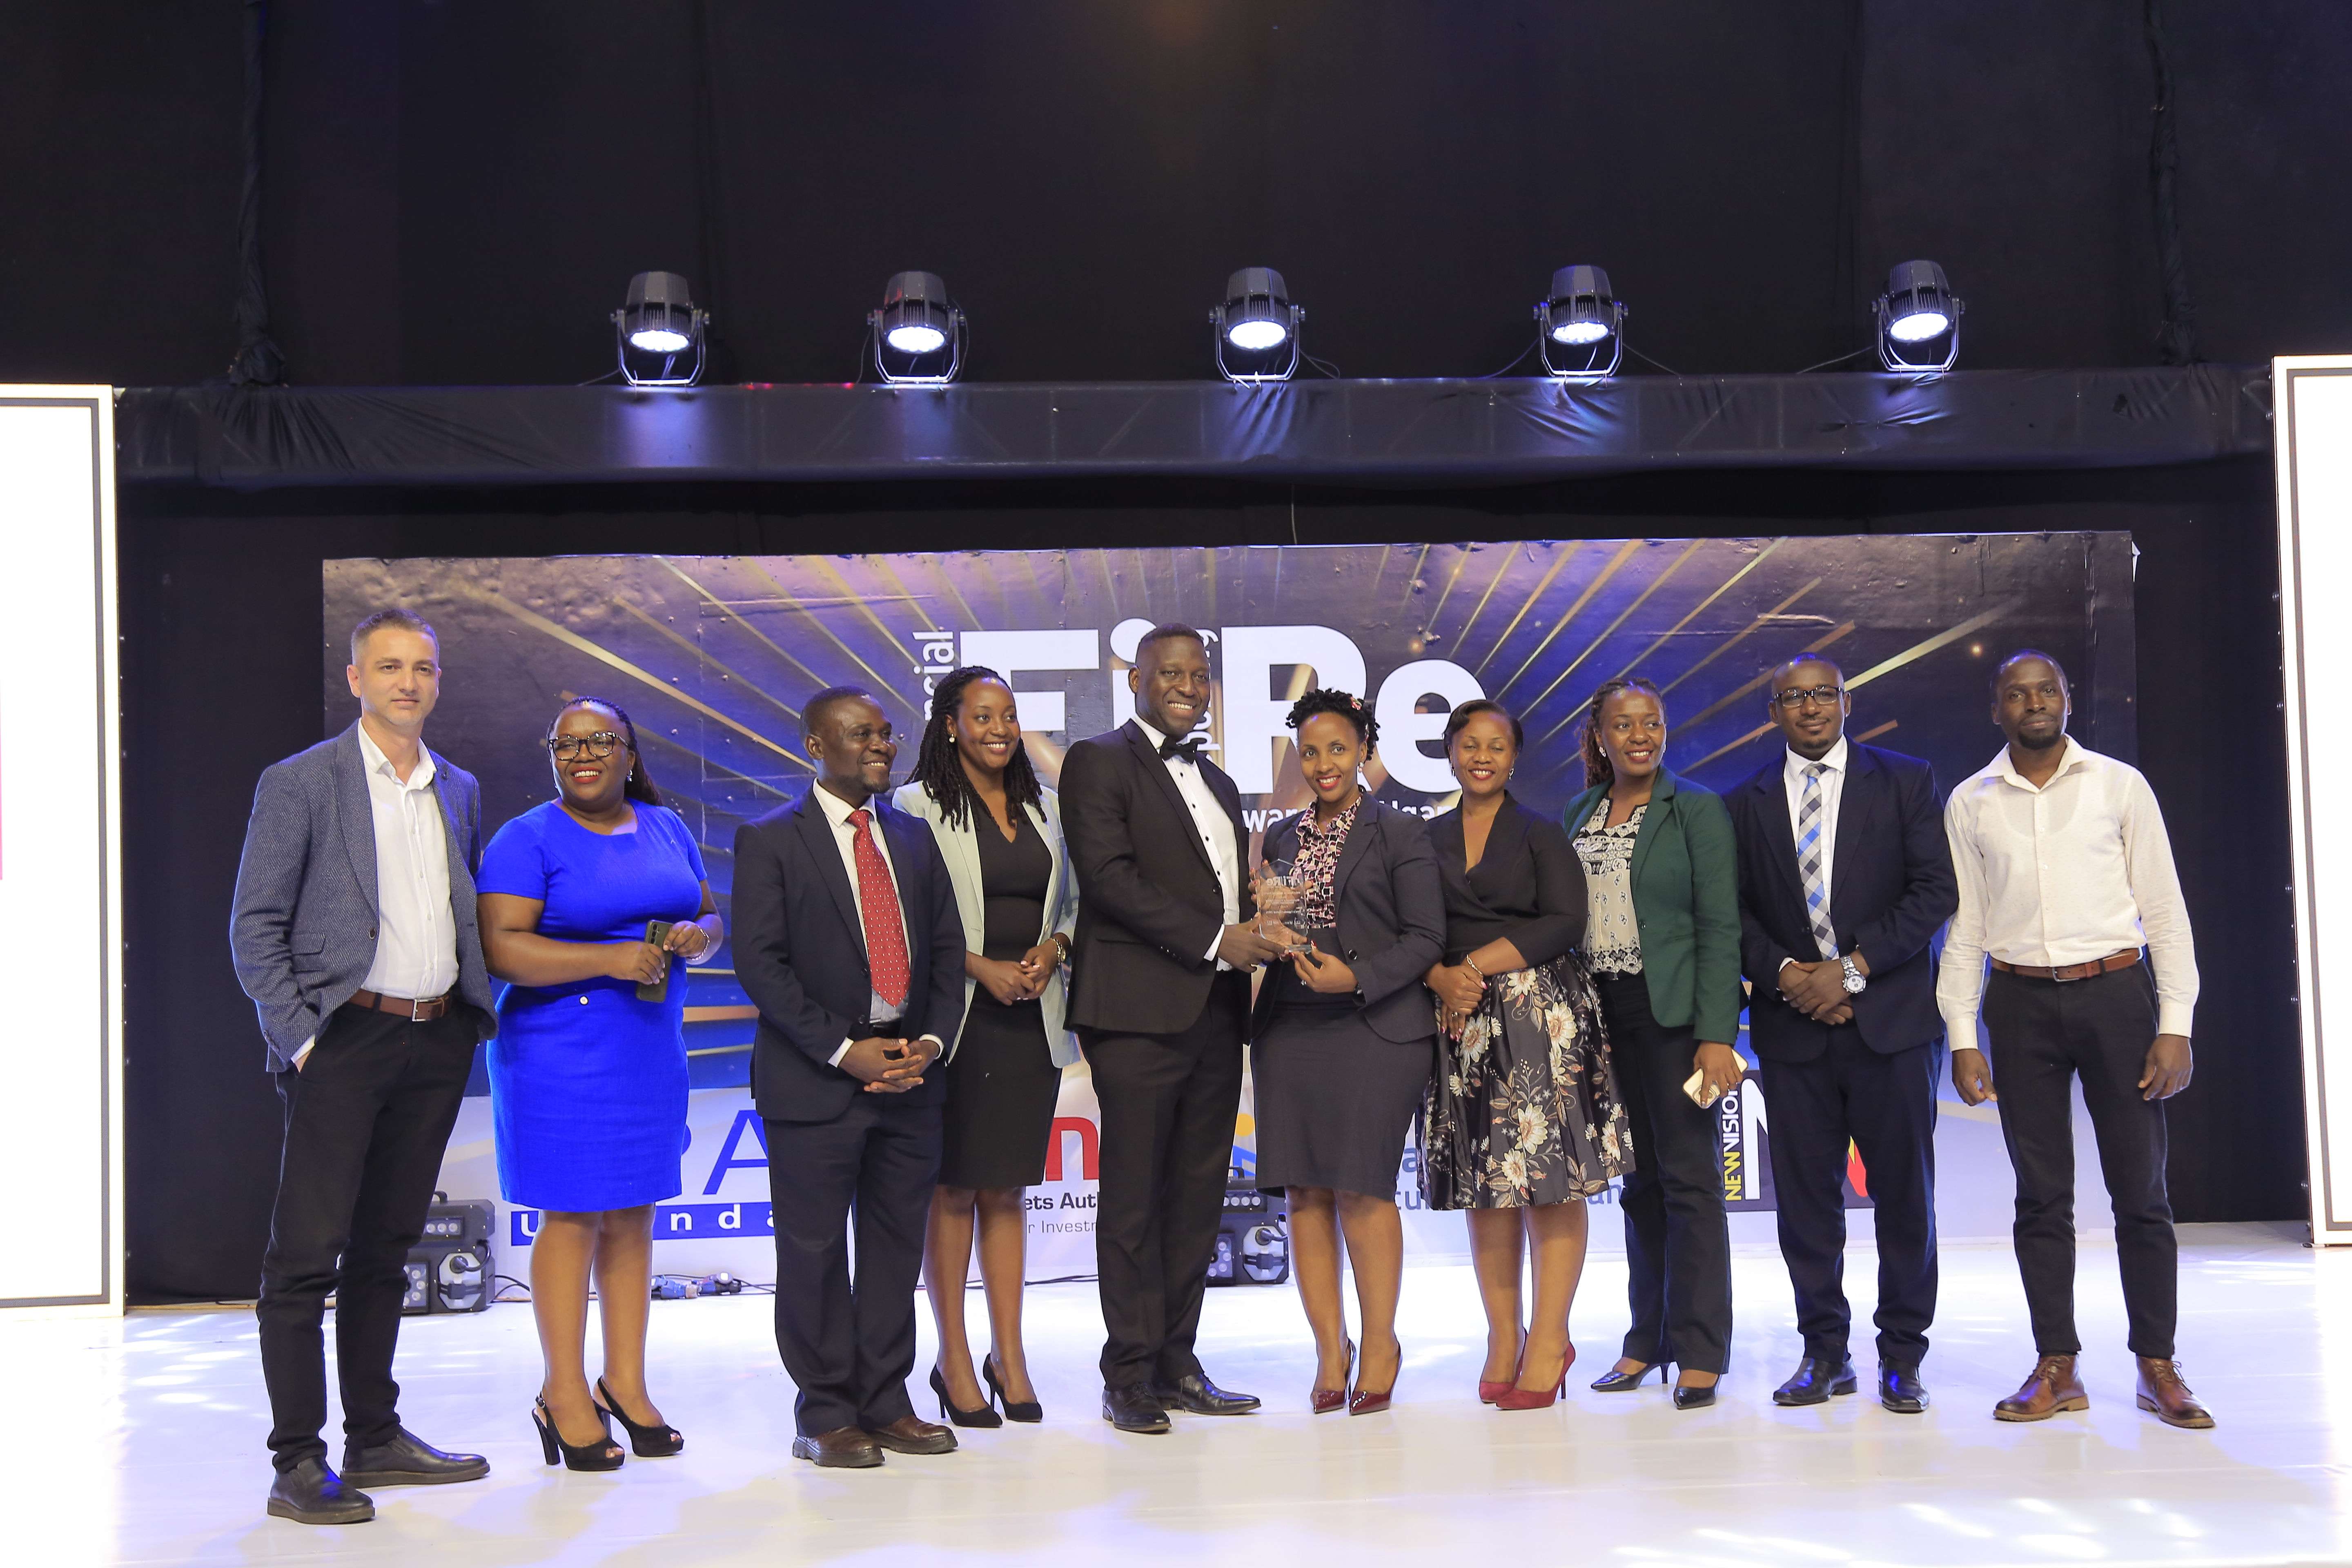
(882, 1029)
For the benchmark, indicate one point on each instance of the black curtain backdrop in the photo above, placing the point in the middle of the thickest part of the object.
(457, 193)
(221, 605)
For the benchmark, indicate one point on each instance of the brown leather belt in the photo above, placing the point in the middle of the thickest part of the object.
(416, 1009)
(2090, 971)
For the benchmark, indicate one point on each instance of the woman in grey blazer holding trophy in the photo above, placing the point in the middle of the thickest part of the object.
(999, 832)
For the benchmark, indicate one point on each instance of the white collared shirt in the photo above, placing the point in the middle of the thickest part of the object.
(845, 838)
(1792, 773)
(2072, 871)
(1215, 829)
(417, 945)
(416, 935)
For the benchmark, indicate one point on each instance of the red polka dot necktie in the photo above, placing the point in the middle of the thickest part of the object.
(878, 902)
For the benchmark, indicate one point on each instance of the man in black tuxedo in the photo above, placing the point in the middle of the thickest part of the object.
(1161, 999)
(846, 936)
(1846, 874)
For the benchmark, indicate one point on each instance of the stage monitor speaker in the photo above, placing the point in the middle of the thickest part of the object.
(451, 1269)
(1252, 1240)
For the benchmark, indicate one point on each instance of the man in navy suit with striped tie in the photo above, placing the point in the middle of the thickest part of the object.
(1845, 875)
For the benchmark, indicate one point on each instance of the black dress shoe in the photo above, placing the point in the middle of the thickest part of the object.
(1900, 1389)
(1815, 1379)
(408, 1461)
(1694, 1398)
(310, 1494)
(1197, 1394)
(1134, 1408)
(843, 1449)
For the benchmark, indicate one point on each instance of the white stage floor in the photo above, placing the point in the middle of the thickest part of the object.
(141, 1441)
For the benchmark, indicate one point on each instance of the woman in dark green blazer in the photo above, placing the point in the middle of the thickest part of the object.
(1661, 939)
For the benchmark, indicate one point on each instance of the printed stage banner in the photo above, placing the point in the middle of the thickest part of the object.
(714, 655)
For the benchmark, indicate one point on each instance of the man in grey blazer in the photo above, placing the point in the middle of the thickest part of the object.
(353, 932)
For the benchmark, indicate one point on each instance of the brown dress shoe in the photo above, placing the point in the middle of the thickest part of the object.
(913, 1435)
(2162, 1393)
(843, 1449)
(2052, 1387)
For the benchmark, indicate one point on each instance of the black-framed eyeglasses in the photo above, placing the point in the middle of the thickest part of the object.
(1795, 697)
(598, 745)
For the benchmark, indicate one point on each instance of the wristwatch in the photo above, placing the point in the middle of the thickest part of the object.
(1856, 982)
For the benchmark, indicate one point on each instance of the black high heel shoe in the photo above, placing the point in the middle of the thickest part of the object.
(645, 1442)
(1027, 1410)
(1693, 1398)
(985, 1415)
(1615, 1382)
(604, 1456)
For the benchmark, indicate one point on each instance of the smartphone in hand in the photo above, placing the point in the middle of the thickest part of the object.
(657, 932)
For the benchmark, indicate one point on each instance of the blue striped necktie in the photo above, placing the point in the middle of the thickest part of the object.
(1809, 859)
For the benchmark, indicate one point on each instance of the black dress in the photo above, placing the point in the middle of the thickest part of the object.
(1002, 1081)
(1525, 1109)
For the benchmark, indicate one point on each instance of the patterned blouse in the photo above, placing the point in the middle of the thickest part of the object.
(1318, 864)
(1613, 939)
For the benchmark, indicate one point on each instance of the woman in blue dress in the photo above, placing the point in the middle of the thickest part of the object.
(587, 1081)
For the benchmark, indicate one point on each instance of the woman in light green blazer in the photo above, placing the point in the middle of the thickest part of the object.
(999, 832)
(1661, 939)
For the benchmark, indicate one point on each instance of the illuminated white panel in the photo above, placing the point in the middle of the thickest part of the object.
(2314, 401)
(61, 1056)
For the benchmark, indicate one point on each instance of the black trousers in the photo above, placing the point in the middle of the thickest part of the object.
(367, 1120)
(848, 1338)
(2044, 1034)
(1677, 1243)
(1168, 1102)
(1886, 1106)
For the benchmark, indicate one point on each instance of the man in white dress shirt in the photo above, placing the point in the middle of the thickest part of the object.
(354, 931)
(2065, 876)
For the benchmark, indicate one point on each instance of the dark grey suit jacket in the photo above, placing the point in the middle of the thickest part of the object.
(1390, 903)
(303, 928)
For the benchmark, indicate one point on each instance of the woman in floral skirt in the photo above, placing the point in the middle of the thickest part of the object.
(1523, 1123)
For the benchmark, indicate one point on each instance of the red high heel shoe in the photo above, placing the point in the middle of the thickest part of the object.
(1490, 1392)
(1364, 1403)
(1324, 1401)
(1517, 1398)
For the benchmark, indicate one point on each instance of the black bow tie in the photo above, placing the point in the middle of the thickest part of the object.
(1188, 749)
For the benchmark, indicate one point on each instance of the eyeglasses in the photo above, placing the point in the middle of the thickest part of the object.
(598, 745)
(1826, 696)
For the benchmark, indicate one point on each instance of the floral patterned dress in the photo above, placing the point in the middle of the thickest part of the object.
(1524, 1110)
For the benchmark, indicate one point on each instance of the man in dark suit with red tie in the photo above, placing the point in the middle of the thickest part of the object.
(1844, 876)
(1160, 995)
(846, 937)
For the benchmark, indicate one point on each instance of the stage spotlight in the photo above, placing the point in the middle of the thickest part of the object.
(1918, 319)
(918, 334)
(1583, 323)
(1257, 329)
(653, 332)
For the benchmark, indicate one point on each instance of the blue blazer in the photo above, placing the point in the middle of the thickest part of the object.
(1890, 887)
(800, 954)
(302, 921)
